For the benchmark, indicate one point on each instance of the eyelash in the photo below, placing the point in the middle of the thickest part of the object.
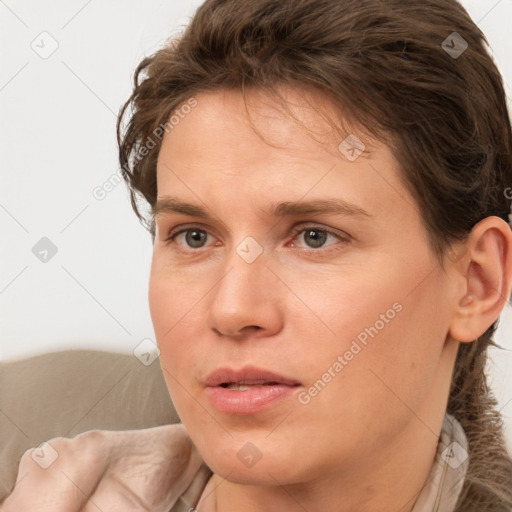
(303, 228)
(341, 236)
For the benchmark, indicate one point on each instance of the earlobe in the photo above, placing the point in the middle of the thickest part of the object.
(486, 270)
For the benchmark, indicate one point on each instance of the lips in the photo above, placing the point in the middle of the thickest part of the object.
(248, 390)
(248, 376)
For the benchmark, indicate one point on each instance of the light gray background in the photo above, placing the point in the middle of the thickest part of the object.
(57, 147)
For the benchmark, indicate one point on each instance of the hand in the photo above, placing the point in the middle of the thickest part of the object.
(105, 471)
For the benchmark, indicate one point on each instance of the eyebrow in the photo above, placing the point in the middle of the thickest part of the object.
(333, 206)
(169, 204)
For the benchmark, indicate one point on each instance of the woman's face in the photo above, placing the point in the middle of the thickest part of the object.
(302, 272)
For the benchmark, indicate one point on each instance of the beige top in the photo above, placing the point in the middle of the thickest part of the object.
(439, 494)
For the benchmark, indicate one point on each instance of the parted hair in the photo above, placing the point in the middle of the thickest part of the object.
(392, 68)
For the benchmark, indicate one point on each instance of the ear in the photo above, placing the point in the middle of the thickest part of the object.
(486, 273)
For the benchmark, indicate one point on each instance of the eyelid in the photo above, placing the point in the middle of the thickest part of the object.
(186, 227)
(325, 250)
(183, 228)
(340, 235)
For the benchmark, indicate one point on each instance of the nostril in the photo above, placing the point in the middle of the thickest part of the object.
(238, 334)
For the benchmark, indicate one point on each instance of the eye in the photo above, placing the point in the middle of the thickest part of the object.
(314, 237)
(193, 238)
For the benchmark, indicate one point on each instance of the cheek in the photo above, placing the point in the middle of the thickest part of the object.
(172, 295)
(171, 305)
(170, 316)
(349, 304)
(381, 335)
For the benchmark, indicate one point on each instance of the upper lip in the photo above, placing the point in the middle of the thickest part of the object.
(247, 375)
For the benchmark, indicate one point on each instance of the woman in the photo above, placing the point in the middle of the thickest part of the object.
(327, 184)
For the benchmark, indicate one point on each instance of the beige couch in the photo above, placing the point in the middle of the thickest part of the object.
(66, 393)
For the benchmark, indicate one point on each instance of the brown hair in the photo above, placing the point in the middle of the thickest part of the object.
(384, 64)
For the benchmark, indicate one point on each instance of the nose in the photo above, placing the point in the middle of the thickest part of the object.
(246, 302)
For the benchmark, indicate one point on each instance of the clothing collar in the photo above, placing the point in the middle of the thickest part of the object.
(444, 483)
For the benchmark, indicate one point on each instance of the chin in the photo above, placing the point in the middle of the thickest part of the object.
(263, 473)
(257, 462)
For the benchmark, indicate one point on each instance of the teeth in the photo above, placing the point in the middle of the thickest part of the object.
(242, 386)
(239, 387)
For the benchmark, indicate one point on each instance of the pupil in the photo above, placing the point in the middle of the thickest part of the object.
(315, 238)
(195, 238)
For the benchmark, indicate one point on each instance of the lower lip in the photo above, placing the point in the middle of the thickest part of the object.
(249, 401)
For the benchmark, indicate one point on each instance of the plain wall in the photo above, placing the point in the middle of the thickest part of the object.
(58, 153)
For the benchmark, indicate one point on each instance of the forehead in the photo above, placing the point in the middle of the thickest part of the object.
(231, 145)
(302, 123)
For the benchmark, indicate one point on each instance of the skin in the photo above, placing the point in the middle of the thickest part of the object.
(366, 442)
